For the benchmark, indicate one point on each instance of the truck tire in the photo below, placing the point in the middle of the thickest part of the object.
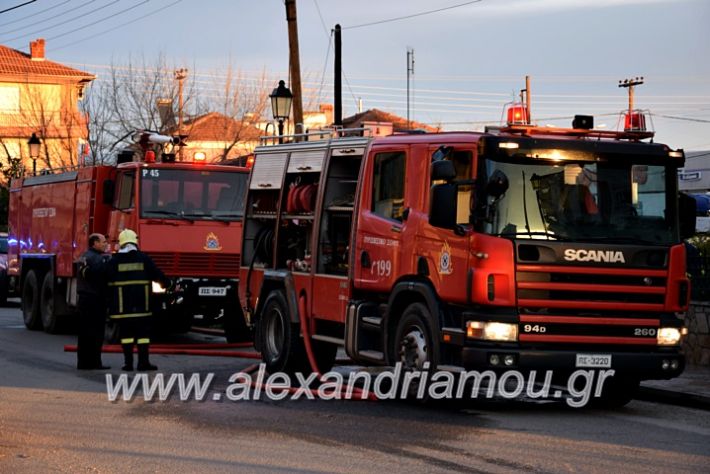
(4, 288)
(30, 302)
(281, 345)
(414, 345)
(51, 320)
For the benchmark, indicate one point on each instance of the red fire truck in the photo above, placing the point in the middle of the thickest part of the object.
(188, 216)
(516, 248)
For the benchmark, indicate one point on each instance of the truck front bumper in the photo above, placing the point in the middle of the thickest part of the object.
(642, 365)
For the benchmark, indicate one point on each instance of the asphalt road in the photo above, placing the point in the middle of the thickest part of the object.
(55, 419)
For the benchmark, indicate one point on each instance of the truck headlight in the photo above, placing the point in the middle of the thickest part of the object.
(157, 288)
(668, 336)
(492, 331)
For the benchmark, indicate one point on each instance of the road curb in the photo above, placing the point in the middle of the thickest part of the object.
(673, 397)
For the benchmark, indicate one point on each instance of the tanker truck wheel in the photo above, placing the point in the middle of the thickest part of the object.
(51, 320)
(30, 302)
(281, 345)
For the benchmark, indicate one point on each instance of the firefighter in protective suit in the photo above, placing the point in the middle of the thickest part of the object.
(129, 275)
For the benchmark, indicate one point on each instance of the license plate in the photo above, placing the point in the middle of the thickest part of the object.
(594, 360)
(212, 291)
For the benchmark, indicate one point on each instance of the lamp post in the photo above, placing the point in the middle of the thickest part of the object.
(281, 98)
(34, 143)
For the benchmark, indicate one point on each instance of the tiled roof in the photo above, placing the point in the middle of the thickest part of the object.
(375, 115)
(16, 62)
(218, 127)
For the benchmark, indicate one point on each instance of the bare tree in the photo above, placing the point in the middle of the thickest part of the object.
(243, 103)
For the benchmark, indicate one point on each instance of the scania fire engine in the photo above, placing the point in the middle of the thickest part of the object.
(188, 216)
(520, 247)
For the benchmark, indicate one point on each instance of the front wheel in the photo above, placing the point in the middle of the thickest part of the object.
(280, 341)
(30, 302)
(413, 343)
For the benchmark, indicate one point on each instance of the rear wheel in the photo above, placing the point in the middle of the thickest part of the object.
(51, 320)
(30, 301)
(281, 345)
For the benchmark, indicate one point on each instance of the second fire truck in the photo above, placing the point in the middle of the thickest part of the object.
(515, 248)
(188, 216)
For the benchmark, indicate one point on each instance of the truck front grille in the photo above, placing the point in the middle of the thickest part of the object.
(590, 288)
(197, 264)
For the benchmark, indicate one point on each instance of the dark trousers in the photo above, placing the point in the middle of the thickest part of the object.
(92, 320)
(135, 331)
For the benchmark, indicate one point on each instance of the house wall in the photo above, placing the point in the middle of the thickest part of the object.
(48, 109)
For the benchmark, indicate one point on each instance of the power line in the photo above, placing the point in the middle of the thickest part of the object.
(17, 6)
(35, 14)
(102, 19)
(63, 22)
(410, 16)
(117, 27)
(20, 28)
(688, 119)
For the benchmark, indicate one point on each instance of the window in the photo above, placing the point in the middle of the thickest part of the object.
(9, 99)
(192, 194)
(388, 185)
(124, 196)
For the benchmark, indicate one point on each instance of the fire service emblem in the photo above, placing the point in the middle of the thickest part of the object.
(212, 242)
(445, 265)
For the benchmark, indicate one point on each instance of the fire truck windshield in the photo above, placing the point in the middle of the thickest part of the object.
(582, 201)
(192, 194)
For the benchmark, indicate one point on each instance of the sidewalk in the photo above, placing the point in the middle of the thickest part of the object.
(692, 388)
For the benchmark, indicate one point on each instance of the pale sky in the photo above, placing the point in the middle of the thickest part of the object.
(469, 60)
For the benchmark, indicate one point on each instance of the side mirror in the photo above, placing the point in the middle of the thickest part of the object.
(442, 206)
(109, 191)
(497, 184)
(686, 215)
(443, 170)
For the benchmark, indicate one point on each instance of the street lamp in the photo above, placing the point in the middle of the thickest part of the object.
(34, 143)
(281, 98)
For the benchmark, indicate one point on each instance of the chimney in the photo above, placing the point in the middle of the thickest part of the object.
(37, 49)
(327, 110)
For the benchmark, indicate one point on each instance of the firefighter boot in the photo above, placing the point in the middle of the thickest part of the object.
(143, 358)
(127, 357)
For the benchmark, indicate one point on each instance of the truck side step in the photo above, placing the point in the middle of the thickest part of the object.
(330, 339)
(374, 321)
(376, 356)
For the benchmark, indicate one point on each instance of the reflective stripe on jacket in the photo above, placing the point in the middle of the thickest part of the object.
(129, 279)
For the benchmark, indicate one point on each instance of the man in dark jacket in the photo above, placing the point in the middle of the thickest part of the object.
(92, 305)
(130, 274)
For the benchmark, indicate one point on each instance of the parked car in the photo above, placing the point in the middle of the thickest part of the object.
(3, 269)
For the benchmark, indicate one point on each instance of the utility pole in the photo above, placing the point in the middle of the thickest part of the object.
(294, 64)
(337, 80)
(410, 71)
(630, 83)
(180, 75)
